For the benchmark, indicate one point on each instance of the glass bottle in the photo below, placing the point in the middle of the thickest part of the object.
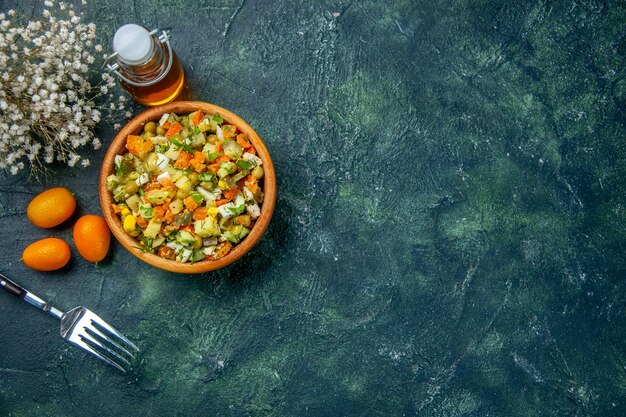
(146, 65)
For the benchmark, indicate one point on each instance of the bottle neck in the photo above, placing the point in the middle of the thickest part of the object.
(149, 70)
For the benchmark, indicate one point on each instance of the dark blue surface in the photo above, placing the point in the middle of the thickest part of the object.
(449, 231)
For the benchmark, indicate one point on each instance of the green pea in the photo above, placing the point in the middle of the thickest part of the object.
(257, 172)
(193, 177)
(160, 131)
(131, 187)
(150, 127)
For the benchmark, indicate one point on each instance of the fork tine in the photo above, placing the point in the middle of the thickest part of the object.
(95, 332)
(90, 340)
(83, 345)
(97, 321)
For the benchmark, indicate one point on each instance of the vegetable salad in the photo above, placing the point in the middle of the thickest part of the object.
(189, 187)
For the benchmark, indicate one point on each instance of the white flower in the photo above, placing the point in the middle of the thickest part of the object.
(47, 112)
(73, 159)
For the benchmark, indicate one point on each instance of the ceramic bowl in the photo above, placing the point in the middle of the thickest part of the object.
(135, 126)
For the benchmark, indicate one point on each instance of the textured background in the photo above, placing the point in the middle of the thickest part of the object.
(449, 231)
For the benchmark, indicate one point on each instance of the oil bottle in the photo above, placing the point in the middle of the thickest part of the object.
(146, 65)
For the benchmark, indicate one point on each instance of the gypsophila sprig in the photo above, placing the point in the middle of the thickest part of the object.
(48, 99)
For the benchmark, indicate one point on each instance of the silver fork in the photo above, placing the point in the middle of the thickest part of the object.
(83, 328)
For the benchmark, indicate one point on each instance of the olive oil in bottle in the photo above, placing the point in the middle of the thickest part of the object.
(146, 65)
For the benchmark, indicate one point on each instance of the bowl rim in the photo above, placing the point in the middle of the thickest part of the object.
(117, 147)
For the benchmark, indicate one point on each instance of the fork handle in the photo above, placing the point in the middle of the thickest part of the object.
(12, 287)
(29, 297)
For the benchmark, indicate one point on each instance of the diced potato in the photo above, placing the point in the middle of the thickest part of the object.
(233, 149)
(184, 183)
(185, 237)
(151, 162)
(207, 125)
(208, 148)
(176, 206)
(175, 174)
(181, 194)
(172, 153)
(158, 241)
(207, 227)
(157, 196)
(197, 140)
(112, 181)
(153, 229)
(133, 202)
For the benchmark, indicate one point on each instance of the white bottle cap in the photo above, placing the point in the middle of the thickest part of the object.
(133, 44)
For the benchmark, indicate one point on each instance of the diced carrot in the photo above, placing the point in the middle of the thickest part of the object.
(230, 194)
(199, 156)
(141, 222)
(252, 184)
(116, 209)
(218, 146)
(167, 252)
(242, 139)
(197, 166)
(223, 250)
(187, 228)
(152, 186)
(138, 145)
(166, 125)
(182, 161)
(221, 202)
(168, 184)
(198, 162)
(251, 150)
(196, 117)
(200, 213)
(157, 213)
(174, 129)
(241, 184)
(229, 132)
(190, 203)
(169, 216)
(214, 167)
(221, 158)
